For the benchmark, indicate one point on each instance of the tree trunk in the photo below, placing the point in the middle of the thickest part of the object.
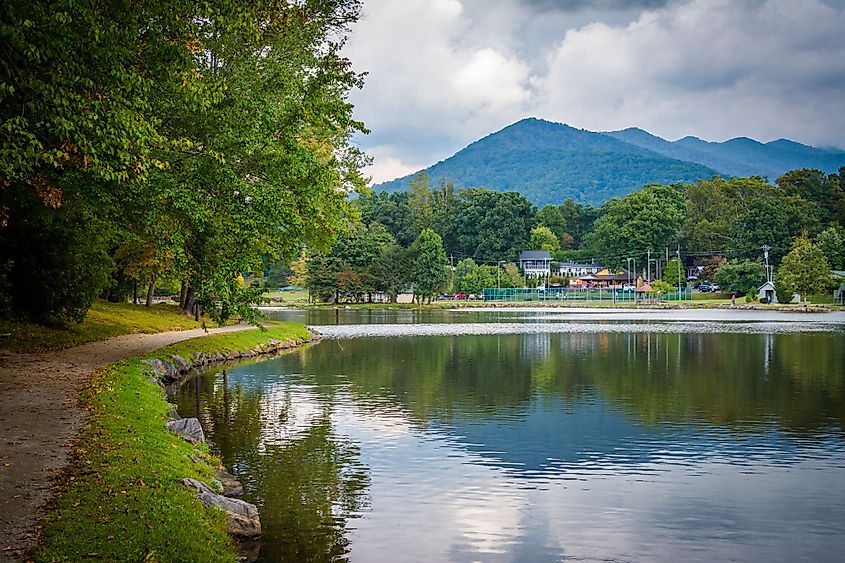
(189, 301)
(183, 294)
(151, 289)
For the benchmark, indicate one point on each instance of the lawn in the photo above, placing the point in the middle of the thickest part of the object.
(120, 497)
(104, 320)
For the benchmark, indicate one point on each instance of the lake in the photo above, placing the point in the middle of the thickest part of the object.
(541, 435)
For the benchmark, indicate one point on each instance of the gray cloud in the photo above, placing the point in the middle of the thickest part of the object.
(445, 72)
(576, 5)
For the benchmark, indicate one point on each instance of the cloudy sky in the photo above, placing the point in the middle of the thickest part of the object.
(443, 73)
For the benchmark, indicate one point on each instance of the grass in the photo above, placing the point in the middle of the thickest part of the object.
(293, 297)
(120, 499)
(104, 320)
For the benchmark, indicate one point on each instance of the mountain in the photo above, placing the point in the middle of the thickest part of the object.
(741, 156)
(548, 162)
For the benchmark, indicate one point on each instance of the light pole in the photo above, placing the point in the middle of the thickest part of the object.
(766, 249)
(679, 271)
(498, 277)
(650, 260)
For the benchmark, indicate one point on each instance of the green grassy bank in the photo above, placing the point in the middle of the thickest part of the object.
(119, 498)
(104, 320)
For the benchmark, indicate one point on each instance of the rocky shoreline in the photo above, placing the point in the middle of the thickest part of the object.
(225, 492)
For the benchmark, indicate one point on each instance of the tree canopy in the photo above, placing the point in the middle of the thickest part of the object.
(206, 140)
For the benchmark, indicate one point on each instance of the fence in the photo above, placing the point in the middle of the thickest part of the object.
(580, 294)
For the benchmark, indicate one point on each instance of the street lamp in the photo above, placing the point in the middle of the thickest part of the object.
(766, 249)
(628, 263)
(498, 276)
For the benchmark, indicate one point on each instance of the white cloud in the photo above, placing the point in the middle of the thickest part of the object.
(716, 69)
(443, 73)
(387, 166)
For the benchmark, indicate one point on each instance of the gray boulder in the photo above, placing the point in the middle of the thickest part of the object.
(181, 363)
(165, 371)
(187, 428)
(232, 488)
(241, 517)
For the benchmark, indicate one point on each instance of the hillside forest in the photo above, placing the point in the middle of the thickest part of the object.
(719, 223)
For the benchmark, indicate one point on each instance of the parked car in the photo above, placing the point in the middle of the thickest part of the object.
(714, 287)
(704, 287)
(628, 287)
(460, 296)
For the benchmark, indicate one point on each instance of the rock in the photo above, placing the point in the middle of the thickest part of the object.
(181, 363)
(195, 459)
(232, 488)
(241, 517)
(189, 429)
(165, 371)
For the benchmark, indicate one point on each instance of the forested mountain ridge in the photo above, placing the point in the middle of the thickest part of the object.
(740, 156)
(549, 162)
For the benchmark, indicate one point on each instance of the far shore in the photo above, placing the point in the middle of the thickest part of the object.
(564, 305)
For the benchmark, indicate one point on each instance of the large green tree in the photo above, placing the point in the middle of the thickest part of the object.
(208, 138)
(804, 271)
(429, 273)
(492, 226)
(740, 276)
(831, 242)
(542, 238)
(646, 220)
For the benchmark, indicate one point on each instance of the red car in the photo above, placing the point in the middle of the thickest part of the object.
(459, 296)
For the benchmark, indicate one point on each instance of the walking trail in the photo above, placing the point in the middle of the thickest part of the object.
(41, 416)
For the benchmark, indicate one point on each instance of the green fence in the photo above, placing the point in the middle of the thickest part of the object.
(577, 294)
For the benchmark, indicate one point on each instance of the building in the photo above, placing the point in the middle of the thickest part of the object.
(604, 278)
(535, 263)
(574, 269)
(767, 291)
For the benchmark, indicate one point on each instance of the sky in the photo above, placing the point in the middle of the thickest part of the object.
(444, 73)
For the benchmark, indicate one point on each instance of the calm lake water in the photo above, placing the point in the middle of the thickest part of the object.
(541, 436)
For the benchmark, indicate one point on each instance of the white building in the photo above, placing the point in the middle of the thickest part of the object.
(574, 269)
(535, 263)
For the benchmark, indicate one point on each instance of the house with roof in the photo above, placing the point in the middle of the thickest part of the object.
(574, 269)
(535, 263)
(604, 278)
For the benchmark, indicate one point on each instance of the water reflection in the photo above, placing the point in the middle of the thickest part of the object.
(619, 445)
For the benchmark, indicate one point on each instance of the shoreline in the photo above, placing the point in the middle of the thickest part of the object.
(107, 432)
(501, 305)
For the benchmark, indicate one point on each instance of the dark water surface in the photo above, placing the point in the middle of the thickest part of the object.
(710, 439)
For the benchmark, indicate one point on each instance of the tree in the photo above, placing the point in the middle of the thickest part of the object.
(429, 273)
(542, 238)
(804, 271)
(492, 226)
(208, 138)
(551, 217)
(392, 270)
(831, 242)
(649, 219)
(740, 276)
(673, 273)
(465, 271)
(511, 276)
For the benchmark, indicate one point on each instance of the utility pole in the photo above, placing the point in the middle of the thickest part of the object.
(766, 249)
(648, 267)
(679, 271)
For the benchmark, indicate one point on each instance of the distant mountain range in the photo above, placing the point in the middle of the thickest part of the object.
(549, 162)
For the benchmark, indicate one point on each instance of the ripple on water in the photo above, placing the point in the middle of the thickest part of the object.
(467, 329)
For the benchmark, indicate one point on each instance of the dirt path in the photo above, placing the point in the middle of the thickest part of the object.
(40, 418)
